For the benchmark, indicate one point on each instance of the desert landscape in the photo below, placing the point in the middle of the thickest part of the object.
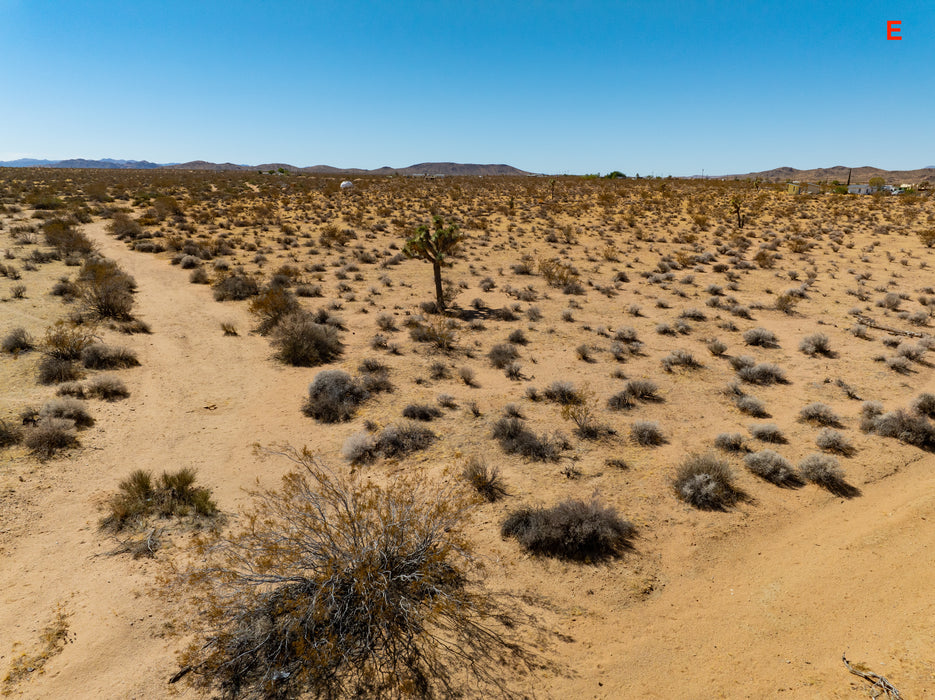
(680, 429)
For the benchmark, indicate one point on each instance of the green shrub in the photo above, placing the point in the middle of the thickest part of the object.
(173, 494)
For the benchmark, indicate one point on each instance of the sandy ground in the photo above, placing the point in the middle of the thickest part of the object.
(758, 602)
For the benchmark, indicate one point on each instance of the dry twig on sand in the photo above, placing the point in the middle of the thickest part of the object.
(870, 323)
(877, 681)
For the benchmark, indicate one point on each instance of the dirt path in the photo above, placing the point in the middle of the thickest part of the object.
(200, 399)
(769, 611)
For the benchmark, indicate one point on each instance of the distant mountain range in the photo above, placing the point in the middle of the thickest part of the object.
(418, 169)
(837, 172)
(840, 173)
(108, 163)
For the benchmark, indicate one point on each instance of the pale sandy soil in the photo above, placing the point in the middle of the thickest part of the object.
(760, 601)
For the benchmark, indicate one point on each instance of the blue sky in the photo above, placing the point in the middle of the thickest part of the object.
(557, 87)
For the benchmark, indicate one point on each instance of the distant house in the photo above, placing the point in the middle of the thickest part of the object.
(803, 188)
(860, 189)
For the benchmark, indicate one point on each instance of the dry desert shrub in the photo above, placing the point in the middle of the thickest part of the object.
(17, 341)
(751, 406)
(10, 434)
(55, 370)
(730, 442)
(773, 467)
(139, 497)
(575, 530)
(105, 290)
(50, 435)
(647, 433)
(64, 342)
(679, 358)
(516, 438)
(821, 414)
(271, 306)
(106, 387)
(333, 396)
(643, 389)
(337, 587)
(924, 404)
(502, 354)
(301, 342)
(466, 374)
(422, 412)
(768, 432)
(764, 373)
(563, 393)
(760, 337)
(621, 401)
(401, 439)
(716, 347)
(824, 471)
(235, 287)
(706, 482)
(70, 409)
(439, 332)
(910, 428)
(386, 322)
(484, 479)
(66, 238)
(100, 356)
(833, 441)
(816, 344)
(199, 276)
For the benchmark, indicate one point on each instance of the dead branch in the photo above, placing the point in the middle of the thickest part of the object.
(877, 681)
(870, 323)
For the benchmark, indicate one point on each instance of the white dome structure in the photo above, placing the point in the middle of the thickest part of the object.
(347, 185)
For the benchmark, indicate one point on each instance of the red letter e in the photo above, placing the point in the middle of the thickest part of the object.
(892, 30)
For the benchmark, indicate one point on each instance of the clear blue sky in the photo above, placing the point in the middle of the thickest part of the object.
(556, 87)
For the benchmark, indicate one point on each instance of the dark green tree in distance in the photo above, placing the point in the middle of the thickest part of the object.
(435, 244)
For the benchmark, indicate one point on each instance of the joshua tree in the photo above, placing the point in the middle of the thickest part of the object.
(435, 245)
(735, 204)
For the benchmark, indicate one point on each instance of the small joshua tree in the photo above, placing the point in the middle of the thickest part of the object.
(435, 245)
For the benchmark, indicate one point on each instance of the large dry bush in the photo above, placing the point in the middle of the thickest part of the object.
(337, 587)
(273, 305)
(573, 529)
(301, 342)
(62, 235)
(105, 290)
